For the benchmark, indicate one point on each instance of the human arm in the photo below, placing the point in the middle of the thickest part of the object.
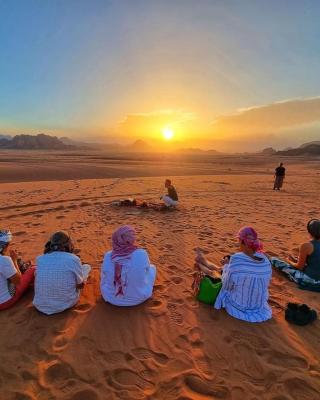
(15, 279)
(304, 251)
(77, 270)
(10, 271)
(141, 259)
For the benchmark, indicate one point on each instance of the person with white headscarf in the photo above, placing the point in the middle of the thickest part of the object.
(13, 283)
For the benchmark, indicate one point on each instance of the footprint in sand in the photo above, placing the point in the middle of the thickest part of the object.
(205, 388)
(126, 378)
(83, 308)
(86, 394)
(60, 343)
(144, 354)
(174, 315)
(20, 233)
(22, 396)
(56, 373)
(28, 376)
(177, 280)
(154, 304)
(114, 357)
(300, 389)
(160, 288)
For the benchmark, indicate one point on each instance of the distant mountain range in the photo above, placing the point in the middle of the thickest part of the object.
(37, 142)
(48, 142)
(308, 149)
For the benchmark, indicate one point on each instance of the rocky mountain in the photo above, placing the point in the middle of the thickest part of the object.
(37, 142)
(308, 150)
(317, 142)
(268, 151)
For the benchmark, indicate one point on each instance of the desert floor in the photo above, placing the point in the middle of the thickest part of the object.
(170, 347)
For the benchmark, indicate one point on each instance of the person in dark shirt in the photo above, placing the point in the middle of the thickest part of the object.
(279, 175)
(304, 269)
(170, 199)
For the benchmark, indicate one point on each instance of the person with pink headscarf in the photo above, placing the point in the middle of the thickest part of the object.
(127, 277)
(245, 279)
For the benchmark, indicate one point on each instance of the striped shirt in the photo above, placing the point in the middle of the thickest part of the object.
(244, 293)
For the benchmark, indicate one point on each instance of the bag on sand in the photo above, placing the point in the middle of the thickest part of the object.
(300, 314)
(207, 288)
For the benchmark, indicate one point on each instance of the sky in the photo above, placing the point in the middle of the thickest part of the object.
(225, 74)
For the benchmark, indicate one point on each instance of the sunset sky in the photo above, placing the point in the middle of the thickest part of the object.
(229, 75)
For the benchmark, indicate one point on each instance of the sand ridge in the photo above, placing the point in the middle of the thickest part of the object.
(171, 347)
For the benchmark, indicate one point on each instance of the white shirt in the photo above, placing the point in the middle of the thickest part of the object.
(56, 277)
(7, 270)
(138, 274)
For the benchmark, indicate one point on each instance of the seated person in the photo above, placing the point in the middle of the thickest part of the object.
(59, 277)
(127, 277)
(170, 199)
(245, 279)
(13, 283)
(305, 270)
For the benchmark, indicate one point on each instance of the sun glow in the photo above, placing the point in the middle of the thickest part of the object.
(167, 133)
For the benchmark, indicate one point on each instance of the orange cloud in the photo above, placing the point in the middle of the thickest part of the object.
(269, 118)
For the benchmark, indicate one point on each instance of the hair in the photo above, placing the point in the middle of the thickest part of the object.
(281, 164)
(59, 241)
(169, 181)
(313, 228)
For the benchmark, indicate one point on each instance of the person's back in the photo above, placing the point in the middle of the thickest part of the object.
(172, 193)
(312, 268)
(244, 293)
(137, 276)
(7, 270)
(280, 171)
(57, 276)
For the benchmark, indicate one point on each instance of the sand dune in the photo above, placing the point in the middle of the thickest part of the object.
(171, 347)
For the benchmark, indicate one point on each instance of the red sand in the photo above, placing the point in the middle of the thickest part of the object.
(171, 347)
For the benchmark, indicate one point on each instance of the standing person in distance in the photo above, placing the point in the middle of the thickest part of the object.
(279, 175)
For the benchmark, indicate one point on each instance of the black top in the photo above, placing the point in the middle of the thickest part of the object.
(172, 193)
(280, 171)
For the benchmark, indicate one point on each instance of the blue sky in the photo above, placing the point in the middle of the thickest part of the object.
(81, 67)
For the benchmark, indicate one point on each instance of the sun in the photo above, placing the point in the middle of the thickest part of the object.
(167, 133)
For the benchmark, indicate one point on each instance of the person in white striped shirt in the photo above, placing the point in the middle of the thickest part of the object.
(245, 279)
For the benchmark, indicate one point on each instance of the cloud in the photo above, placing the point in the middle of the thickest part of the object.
(270, 118)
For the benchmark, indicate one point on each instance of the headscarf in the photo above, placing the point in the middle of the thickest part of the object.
(5, 238)
(122, 246)
(250, 238)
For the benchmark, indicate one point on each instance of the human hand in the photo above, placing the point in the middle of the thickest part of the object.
(225, 260)
(14, 255)
(291, 258)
